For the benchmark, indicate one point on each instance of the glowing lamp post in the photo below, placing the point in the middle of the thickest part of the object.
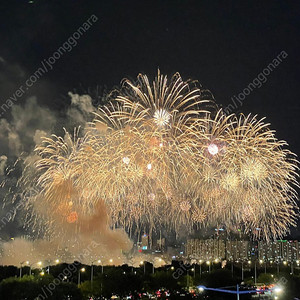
(48, 268)
(79, 271)
(38, 263)
(194, 270)
(27, 263)
(200, 270)
(143, 264)
(92, 271)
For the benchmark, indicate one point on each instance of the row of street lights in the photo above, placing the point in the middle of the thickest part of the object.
(249, 262)
(56, 261)
(27, 263)
(39, 263)
(143, 263)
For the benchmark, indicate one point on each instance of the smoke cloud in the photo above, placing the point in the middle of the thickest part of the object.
(21, 129)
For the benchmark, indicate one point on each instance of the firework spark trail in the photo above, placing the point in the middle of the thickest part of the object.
(159, 155)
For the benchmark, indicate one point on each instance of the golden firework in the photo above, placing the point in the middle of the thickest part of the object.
(160, 154)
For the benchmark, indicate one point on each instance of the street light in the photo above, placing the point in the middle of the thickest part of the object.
(142, 263)
(194, 270)
(208, 263)
(278, 290)
(49, 262)
(200, 262)
(242, 270)
(21, 263)
(100, 262)
(39, 263)
(79, 271)
(265, 263)
(92, 271)
(255, 273)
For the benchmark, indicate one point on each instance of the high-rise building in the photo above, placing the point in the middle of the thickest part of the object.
(209, 249)
(237, 250)
(281, 250)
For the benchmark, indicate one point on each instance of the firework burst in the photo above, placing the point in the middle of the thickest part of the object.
(159, 155)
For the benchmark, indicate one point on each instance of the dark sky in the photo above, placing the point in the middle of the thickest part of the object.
(223, 44)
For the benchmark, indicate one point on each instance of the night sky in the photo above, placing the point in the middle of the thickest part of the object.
(223, 44)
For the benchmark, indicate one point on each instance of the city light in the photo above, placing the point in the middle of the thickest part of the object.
(82, 269)
(277, 290)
